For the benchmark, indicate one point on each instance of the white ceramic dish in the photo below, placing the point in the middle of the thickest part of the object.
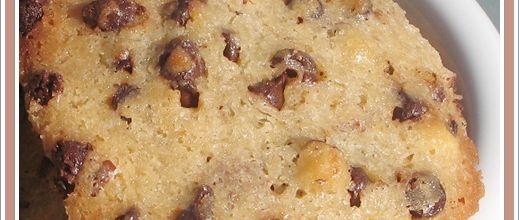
(469, 45)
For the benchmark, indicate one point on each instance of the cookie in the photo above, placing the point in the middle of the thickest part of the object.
(245, 109)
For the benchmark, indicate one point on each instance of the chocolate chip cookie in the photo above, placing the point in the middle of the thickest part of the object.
(245, 109)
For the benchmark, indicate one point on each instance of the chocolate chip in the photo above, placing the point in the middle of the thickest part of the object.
(123, 91)
(411, 110)
(132, 214)
(31, 12)
(453, 127)
(360, 180)
(182, 64)
(292, 63)
(45, 85)
(113, 15)
(202, 206)
(124, 61)
(296, 62)
(389, 69)
(181, 13)
(103, 176)
(299, 20)
(232, 47)
(272, 90)
(68, 156)
(425, 195)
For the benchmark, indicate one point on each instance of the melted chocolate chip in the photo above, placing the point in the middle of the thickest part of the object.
(182, 64)
(425, 195)
(68, 157)
(132, 214)
(296, 62)
(232, 47)
(122, 93)
(181, 13)
(44, 86)
(113, 15)
(103, 176)
(411, 110)
(453, 127)
(272, 90)
(202, 206)
(292, 63)
(124, 62)
(31, 12)
(360, 180)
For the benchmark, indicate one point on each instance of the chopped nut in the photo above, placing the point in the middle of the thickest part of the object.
(322, 168)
